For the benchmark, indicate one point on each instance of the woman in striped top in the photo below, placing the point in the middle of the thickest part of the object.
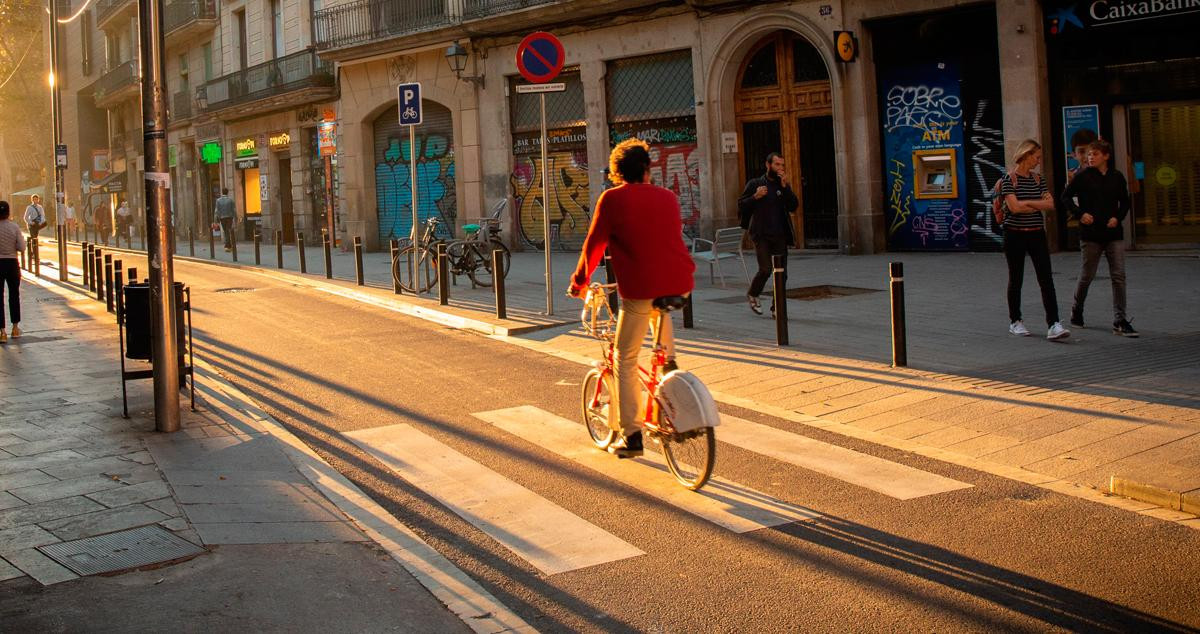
(1025, 200)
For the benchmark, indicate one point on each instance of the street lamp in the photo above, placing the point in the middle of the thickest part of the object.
(202, 97)
(456, 56)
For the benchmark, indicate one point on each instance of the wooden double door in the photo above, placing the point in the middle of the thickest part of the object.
(784, 104)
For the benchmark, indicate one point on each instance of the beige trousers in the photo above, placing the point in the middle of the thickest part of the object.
(636, 316)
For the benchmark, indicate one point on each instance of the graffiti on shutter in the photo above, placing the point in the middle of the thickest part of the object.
(435, 172)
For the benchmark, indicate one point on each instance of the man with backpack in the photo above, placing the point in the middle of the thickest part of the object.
(35, 216)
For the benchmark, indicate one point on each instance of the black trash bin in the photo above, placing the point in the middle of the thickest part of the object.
(137, 321)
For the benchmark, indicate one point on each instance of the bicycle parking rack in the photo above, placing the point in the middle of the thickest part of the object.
(185, 370)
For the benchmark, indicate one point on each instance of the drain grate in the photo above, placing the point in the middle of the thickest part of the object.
(807, 293)
(234, 289)
(121, 550)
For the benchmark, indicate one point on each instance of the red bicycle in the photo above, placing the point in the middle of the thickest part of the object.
(679, 412)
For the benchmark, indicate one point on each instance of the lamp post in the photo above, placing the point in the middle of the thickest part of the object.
(59, 197)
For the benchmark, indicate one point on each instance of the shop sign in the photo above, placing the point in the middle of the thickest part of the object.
(210, 153)
(100, 166)
(245, 148)
(1109, 12)
(326, 133)
(846, 45)
(559, 140)
(280, 141)
(172, 158)
(658, 132)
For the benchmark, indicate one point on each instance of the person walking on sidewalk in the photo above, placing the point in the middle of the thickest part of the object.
(124, 220)
(226, 212)
(1103, 203)
(12, 241)
(640, 225)
(103, 222)
(70, 220)
(1025, 200)
(765, 209)
(35, 216)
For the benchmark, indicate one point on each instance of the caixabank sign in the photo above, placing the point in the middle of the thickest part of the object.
(1098, 13)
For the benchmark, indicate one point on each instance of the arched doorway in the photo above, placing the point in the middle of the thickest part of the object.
(784, 103)
(435, 172)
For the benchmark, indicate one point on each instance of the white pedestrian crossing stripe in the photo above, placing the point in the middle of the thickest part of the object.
(722, 502)
(884, 476)
(546, 535)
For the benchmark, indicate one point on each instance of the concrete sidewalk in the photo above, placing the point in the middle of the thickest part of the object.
(1073, 413)
(267, 547)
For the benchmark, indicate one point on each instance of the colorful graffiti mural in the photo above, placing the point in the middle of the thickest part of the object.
(570, 213)
(435, 186)
(674, 161)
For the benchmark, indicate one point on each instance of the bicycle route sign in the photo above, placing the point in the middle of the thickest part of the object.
(540, 57)
(408, 102)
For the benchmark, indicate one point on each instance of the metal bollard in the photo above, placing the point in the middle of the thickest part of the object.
(610, 276)
(395, 250)
(257, 248)
(780, 299)
(233, 248)
(278, 248)
(192, 241)
(300, 251)
(87, 270)
(899, 331)
(212, 244)
(498, 284)
(118, 285)
(108, 280)
(37, 257)
(328, 253)
(98, 272)
(443, 264)
(131, 275)
(358, 263)
(687, 313)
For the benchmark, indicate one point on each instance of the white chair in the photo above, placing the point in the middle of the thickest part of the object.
(727, 243)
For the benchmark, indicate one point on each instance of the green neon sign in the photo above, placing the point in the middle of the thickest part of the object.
(210, 153)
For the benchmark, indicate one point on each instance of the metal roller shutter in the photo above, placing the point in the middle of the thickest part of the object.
(435, 172)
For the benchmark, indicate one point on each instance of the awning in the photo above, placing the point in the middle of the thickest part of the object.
(111, 184)
(32, 191)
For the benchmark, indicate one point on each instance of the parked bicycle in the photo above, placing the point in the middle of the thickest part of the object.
(679, 413)
(470, 256)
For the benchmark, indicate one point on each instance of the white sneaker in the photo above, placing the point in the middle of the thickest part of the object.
(1018, 328)
(1057, 332)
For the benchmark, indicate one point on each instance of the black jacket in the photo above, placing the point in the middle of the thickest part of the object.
(1103, 196)
(768, 217)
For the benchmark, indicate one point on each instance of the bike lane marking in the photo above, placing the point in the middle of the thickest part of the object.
(728, 504)
(539, 531)
(882, 476)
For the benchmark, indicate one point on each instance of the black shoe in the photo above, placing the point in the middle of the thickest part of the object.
(631, 448)
(1076, 320)
(1124, 328)
(670, 366)
(754, 305)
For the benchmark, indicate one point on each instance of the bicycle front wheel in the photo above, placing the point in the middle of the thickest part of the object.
(426, 269)
(478, 263)
(597, 401)
(691, 455)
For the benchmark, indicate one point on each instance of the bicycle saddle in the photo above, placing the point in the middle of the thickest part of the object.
(670, 302)
(470, 228)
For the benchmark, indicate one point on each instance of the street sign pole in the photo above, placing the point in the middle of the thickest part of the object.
(59, 198)
(160, 241)
(416, 228)
(546, 213)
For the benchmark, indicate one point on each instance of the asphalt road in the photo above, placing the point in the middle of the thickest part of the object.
(999, 555)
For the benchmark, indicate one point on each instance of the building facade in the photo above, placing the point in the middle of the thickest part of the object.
(894, 132)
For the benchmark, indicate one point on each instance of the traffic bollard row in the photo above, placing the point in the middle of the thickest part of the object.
(498, 282)
(108, 281)
(780, 299)
(899, 330)
(359, 278)
(98, 272)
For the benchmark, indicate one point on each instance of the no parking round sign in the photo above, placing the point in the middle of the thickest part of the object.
(540, 57)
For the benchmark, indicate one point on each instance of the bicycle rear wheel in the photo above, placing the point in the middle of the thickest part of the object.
(691, 455)
(478, 263)
(402, 269)
(595, 417)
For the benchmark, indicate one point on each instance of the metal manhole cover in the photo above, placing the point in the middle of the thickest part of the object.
(234, 289)
(121, 550)
(808, 293)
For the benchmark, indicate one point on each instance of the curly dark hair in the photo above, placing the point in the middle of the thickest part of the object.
(5, 212)
(629, 161)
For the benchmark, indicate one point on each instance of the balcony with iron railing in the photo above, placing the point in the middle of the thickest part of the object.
(119, 83)
(185, 18)
(345, 30)
(106, 10)
(280, 83)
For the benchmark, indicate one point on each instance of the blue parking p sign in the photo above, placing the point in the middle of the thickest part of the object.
(408, 98)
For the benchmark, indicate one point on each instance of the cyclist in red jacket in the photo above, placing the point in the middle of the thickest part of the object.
(639, 223)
